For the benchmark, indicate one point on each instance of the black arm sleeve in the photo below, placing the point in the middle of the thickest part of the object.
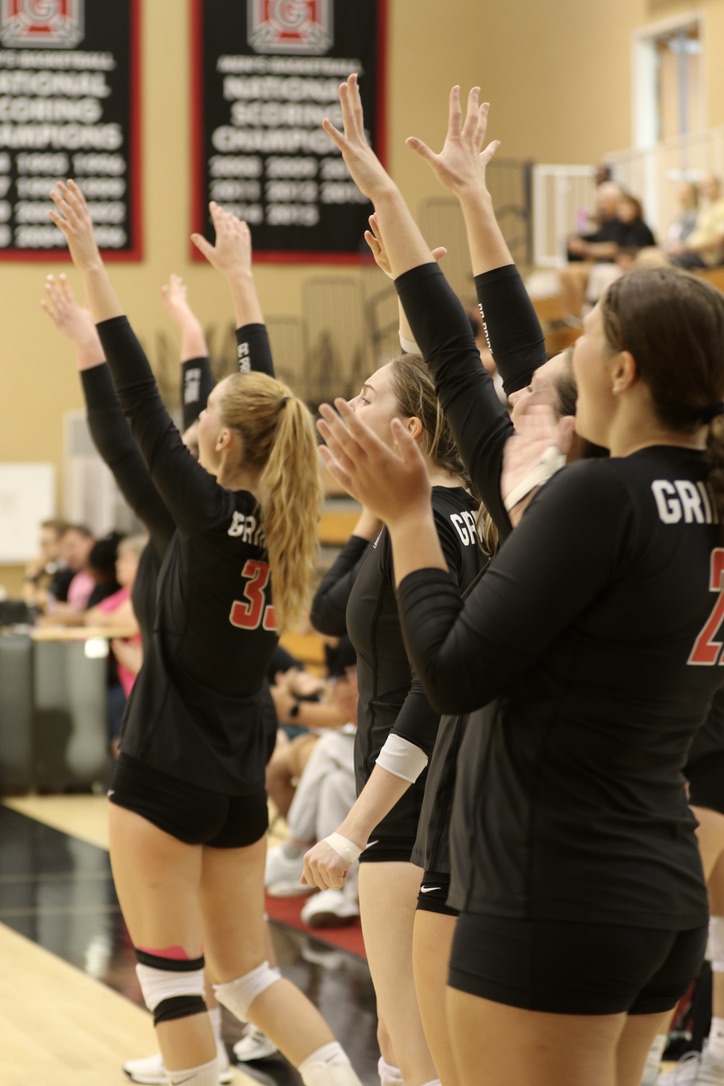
(114, 442)
(253, 349)
(547, 573)
(417, 720)
(328, 612)
(192, 496)
(511, 325)
(196, 384)
(480, 423)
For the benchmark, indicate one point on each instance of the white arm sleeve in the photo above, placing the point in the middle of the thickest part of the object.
(402, 758)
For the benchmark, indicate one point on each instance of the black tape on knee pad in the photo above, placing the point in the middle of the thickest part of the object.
(178, 1007)
(172, 965)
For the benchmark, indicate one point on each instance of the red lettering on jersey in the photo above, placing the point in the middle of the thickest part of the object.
(253, 611)
(706, 650)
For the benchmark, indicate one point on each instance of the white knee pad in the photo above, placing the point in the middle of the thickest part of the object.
(181, 991)
(328, 1066)
(716, 943)
(238, 995)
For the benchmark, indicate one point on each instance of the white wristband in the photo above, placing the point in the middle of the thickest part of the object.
(402, 758)
(409, 346)
(551, 462)
(345, 848)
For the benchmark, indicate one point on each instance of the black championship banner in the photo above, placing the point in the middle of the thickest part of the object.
(69, 107)
(265, 73)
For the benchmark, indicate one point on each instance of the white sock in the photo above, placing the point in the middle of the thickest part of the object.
(716, 1038)
(389, 1075)
(215, 1016)
(328, 1066)
(653, 1060)
(205, 1075)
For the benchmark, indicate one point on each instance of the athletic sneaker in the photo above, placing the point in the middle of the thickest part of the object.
(151, 1071)
(695, 1069)
(254, 1045)
(282, 874)
(330, 909)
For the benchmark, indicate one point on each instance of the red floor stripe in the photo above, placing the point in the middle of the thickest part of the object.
(286, 910)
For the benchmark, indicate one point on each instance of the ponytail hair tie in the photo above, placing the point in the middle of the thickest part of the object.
(708, 414)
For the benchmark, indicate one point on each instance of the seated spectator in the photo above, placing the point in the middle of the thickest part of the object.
(704, 247)
(117, 610)
(301, 705)
(45, 573)
(95, 578)
(684, 221)
(76, 542)
(325, 792)
(621, 234)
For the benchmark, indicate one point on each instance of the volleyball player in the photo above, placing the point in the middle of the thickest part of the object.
(589, 642)
(188, 807)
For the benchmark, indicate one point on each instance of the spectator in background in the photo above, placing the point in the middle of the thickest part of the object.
(622, 233)
(95, 578)
(704, 247)
(117, 610)
(76, 543)
(45, 573)
(684, 221)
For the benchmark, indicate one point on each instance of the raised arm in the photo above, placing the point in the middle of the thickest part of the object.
(231, 254)
(440, 325)
(189, 493)
(196, 379)
(108, 428)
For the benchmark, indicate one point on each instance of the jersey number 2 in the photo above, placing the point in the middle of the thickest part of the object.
(253, 611)
(706, 650)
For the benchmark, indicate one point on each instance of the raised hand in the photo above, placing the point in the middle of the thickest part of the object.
(373, 237)
(461, 164)
(174, 294)
(231, 252)
(389, 482)
(70, 318)
(365, 168)
(72, 217)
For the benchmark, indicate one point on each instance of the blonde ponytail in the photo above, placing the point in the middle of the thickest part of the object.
(279, 439)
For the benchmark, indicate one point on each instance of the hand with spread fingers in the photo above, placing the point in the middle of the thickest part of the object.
(390, 482)
(72, 216)
(461, 164)
(68, 316)
(231, 250)
(365, 168)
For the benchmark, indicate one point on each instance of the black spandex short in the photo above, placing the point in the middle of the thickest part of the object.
(434, 890)
(195, 815)
(569, 968)
(385, 850)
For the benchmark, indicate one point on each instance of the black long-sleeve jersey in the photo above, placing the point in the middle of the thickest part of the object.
(195, 710)
(358, 592)
(592, 644)
(479, 422)
(516, 339)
